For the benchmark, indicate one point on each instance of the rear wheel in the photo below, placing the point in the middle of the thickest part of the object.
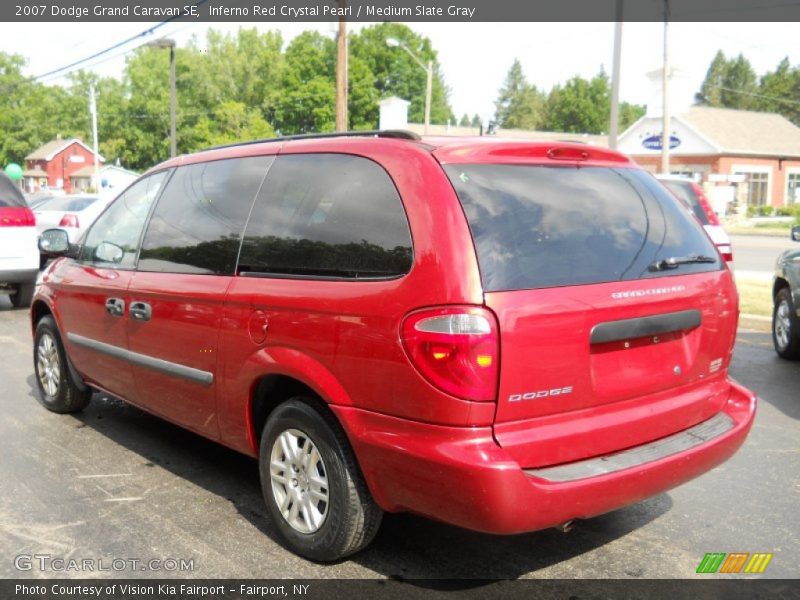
(23, 295)
(58, 391)
(312, 484)
(785, 326)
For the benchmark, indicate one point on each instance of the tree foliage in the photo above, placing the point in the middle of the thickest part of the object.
(230, 87)
(578, 106)
(733, 83)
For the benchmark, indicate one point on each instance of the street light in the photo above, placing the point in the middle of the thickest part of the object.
(168, 43)
(394, 43)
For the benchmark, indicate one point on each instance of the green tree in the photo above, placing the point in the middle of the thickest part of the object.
(779, 90)
(729, 83)
(396, 73)
(476, 120)
(519, 105)
(710, 92)
(464, 122)
(580, 106)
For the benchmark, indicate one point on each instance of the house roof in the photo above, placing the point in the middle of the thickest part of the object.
(34, 173)
(53, 147)
(745, 132)
(86, 172)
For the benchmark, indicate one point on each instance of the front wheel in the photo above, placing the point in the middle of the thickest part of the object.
(312, 484)
(785, 326)
(23, 295)
(58, 391)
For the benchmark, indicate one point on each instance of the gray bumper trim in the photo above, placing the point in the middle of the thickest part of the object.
(157, 364)
(611, 463)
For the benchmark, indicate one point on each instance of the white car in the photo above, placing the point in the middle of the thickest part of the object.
(74, 213)
(691, 194)
(19, 252)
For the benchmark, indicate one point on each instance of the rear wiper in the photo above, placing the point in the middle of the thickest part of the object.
(673, 262)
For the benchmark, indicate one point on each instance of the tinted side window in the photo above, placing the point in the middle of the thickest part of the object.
(537, 227)
(327, 215)
(197, 224)
(9, 193)
(120, 226)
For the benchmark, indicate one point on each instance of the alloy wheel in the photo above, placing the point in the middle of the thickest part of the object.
(783, 325)
(48, 366)
(299, 481)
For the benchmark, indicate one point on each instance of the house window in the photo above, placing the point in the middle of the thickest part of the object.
(757, 186)
(793, 189)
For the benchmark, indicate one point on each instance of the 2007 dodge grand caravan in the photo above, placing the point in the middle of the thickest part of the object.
(502, 335)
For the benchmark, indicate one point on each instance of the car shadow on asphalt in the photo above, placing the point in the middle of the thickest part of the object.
(407, 548)
(774, 379)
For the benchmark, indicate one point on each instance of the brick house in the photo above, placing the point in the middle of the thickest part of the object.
(726, 150)
(53, 165)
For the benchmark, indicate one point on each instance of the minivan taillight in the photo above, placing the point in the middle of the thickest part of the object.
(456, 348)
(69, 220)
(726, 251)
(16, 216)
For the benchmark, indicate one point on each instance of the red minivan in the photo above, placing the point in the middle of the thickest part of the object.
(502, 335)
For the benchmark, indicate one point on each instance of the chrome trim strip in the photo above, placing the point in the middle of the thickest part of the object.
(611, 463)
(143, 360)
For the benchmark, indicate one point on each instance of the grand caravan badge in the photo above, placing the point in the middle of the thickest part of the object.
(659, 291)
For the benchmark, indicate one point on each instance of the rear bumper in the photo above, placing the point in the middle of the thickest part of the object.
(24, 275)
(461, 476)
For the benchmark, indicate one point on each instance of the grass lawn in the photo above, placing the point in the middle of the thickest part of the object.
(755, 297)
(771, 229)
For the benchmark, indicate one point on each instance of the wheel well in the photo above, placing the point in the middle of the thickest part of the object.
(271, 391)
(39, 310)
(779, 285)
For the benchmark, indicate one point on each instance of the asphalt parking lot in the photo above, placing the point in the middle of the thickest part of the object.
(116, 483)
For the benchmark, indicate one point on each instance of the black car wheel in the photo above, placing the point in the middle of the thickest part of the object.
(58, 391)
(312, 484)
(785, 326)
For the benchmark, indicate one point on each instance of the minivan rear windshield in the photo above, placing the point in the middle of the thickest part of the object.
(542, 226)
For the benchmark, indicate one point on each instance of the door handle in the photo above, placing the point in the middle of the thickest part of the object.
(115, 307)
(141, 311)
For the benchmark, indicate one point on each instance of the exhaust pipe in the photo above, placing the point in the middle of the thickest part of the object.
(566, 527)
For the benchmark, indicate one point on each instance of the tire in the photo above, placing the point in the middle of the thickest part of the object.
(58, 391)
(23, 296)
(785, 326)
(338, 516)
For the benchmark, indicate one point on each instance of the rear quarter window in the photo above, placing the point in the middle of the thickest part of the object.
(541, 226)
(327, 216)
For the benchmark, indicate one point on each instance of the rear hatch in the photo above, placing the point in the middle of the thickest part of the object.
(18, 250)
(616, 313)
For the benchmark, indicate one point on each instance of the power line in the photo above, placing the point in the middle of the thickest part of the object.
(744, 93)
(115, 46)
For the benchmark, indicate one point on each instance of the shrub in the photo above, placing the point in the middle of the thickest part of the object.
(765, 211)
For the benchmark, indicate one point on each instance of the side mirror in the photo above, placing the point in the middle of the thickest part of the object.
(54, 242)
(108, 252)
(796, 233)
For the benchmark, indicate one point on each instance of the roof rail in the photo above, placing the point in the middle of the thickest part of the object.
(399, 134)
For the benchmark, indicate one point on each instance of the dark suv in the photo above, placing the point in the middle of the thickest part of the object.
(501, 335)
(786, 302)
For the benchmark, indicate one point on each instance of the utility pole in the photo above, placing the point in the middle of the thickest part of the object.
(341, 72)
(93, 111)
(613, 131)
(666, 136)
